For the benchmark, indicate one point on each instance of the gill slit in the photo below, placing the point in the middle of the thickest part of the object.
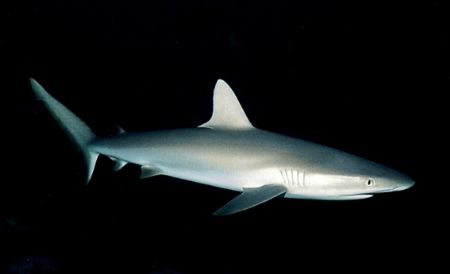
(282, 176)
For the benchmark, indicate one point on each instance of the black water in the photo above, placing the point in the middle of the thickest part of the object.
(367, 78)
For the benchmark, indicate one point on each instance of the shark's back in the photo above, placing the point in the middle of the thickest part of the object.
(216, 146)
(195, 142)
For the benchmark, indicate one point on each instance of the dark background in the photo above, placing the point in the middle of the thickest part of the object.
(366, 77)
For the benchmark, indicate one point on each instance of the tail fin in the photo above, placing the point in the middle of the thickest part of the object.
(74, 127)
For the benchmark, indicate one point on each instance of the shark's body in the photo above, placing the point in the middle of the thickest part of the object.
(228, 152)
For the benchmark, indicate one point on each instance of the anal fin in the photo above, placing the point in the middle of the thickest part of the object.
(251, 197)
(149, 171)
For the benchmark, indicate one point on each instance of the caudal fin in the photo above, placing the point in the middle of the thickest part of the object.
(79, 133)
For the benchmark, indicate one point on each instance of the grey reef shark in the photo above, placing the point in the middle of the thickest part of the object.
(229, 152)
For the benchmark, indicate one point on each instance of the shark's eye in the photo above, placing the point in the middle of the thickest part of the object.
(370, 182)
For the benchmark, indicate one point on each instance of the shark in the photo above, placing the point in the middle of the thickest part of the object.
(229, 152)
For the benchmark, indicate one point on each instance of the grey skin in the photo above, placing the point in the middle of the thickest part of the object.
(229, 152)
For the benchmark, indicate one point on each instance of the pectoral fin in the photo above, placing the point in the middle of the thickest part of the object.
(251, 197)
(118, 165)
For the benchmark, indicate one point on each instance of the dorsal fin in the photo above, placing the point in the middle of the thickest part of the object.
(227, 112)
(120, 130)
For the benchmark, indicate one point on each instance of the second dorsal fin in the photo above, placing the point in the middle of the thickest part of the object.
(227, 111)
(120, 130)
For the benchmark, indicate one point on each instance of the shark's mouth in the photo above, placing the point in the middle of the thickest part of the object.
(383, 190)
(366, 195)
(355, 197)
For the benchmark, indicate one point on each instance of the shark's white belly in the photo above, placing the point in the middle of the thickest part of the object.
(228, 168)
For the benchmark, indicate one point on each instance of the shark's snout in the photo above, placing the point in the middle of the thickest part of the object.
(402, 183)
(405, 183)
